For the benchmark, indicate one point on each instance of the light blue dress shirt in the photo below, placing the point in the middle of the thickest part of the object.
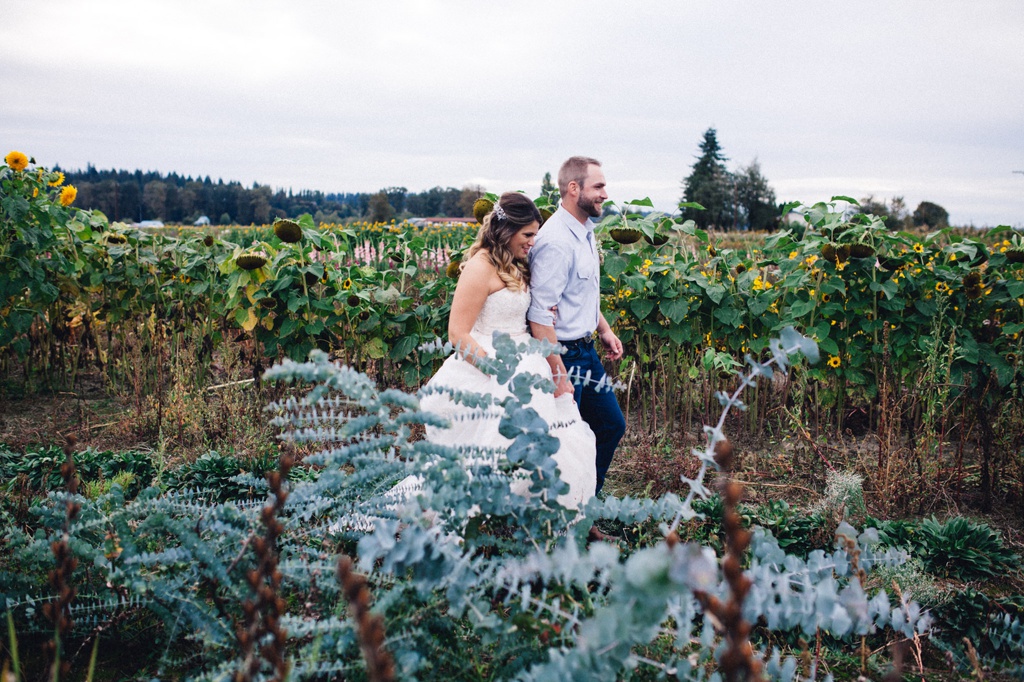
(565, 271)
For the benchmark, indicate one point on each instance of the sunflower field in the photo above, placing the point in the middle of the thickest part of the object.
(918, 339)
(918, 332)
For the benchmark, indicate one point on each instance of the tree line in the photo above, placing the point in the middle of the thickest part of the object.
(134, 196)
(731, 200)
(744, 200)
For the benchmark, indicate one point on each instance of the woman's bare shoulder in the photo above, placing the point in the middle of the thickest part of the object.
(479, 270)
(480, 263)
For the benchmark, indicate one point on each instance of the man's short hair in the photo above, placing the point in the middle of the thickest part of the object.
(574, 170)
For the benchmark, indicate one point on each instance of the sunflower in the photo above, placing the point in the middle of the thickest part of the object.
(481, 207)
(347, 284)
(57, 179)
(16, 160)
(834, 362)
(918, 248)
(67, 195)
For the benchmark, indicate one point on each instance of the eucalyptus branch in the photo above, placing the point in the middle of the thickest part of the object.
(789, 343)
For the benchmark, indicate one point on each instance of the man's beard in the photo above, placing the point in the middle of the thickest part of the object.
(589, 207)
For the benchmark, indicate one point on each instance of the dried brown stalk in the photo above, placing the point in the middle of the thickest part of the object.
(380, 667)
(59, 611)
(738, 661)
(261, 637)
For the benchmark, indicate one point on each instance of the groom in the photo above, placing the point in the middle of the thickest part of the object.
(565, 272)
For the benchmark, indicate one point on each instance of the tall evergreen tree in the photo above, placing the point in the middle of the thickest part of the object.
(711, 185)
(548, 189)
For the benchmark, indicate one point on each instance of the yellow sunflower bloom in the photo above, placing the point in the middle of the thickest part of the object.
(16, 160)
(57, 179)
(67, 195)
(918, 248)
(834, 362)
(347, 284)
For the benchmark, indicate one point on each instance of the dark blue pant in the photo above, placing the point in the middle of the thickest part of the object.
(598, 408)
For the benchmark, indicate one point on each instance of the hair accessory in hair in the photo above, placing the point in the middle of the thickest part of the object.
(499, 212)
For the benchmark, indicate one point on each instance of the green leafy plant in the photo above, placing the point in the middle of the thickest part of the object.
(963, 549)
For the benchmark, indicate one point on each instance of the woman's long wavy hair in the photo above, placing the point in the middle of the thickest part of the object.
(496, 233)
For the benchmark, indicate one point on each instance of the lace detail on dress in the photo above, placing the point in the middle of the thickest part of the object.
(503, 311)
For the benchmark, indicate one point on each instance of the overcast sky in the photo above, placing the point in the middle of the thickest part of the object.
(920, 99)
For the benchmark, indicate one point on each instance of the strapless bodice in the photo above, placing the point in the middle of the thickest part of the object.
(504, 311)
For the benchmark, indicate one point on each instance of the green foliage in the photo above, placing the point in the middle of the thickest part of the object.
(993, 625)
(796, 531)
(959, 547)
(221, 477)
(963, 549)
(471, 578)
(39, 468)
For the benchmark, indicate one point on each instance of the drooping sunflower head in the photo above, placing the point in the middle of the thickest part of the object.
(544, 215)
(481, 207)
(67, 195)
(453, 270)
(287, 231)
(251, 260)
(972, 279)
(1015, 256)
(16, 160)
(861, 250)
(56, 180)
(625, 235)
(828, 252)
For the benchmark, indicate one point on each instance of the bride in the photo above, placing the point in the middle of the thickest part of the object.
(493, 295)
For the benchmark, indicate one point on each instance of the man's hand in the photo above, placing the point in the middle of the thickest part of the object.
(612, 344)
(563, 386)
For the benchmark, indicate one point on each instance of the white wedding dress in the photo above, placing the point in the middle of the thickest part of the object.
(505, 311)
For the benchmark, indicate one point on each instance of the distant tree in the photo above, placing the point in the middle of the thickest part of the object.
(755, 199)
(186, 199)
(225, 219)
(154, 198)
(469, 194)
(260, 204)
(130, 204)
(427, 203)
(893, 213)
(898, 212)
(711, 185)
(931, 215)
(450, 202)
(548, 189)
(363, 204)
(380, 211)
(396, 197)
